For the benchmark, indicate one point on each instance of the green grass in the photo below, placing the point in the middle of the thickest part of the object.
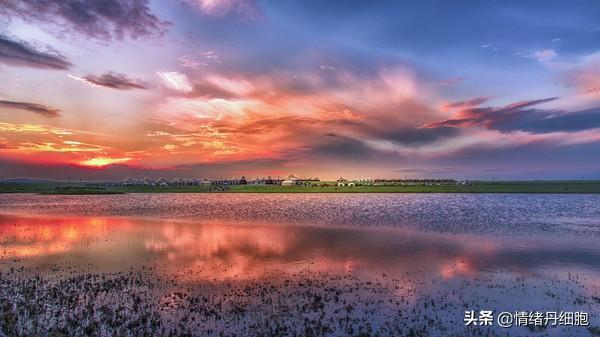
(578, 186)
(55, 188)
(158, 189)
(484, 187)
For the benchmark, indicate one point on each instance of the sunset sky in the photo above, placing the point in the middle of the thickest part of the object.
(104, 90)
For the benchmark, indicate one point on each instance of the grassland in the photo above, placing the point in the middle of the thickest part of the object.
(579, 186)
(480, 187)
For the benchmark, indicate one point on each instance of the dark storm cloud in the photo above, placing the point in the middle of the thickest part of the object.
(22, 54)
(100, 19)
(115, 81)
(522, 116)
(33, 107)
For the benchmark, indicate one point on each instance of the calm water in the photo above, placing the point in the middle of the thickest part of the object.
(510, 214)
(425, 239)
(446, 234)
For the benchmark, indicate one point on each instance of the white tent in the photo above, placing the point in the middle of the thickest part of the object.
(288, 183)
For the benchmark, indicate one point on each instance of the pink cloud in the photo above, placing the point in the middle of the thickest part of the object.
(265, 115)
(465, 104)
(470, 113)
(585, 78)
(175, 81)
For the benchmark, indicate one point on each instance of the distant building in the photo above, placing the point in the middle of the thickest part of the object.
(342, 182)
(291, 180)
(288, 183)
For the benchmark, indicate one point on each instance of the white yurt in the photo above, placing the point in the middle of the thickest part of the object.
(290, 181)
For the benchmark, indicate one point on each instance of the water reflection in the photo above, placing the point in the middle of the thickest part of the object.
(30, 237)
(222, 250)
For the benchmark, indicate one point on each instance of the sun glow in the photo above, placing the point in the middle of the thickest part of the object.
(103, 161)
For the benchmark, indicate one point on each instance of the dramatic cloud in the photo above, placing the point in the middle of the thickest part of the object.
(315, 88)
(106, 19)
(244, 115)
(521, 116)
(33, 107)
(111, 80)
(22, 54)
(489, 117)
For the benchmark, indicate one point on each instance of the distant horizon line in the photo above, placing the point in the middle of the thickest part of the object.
(81, 180)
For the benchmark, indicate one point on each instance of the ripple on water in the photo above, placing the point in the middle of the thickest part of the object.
(448, 213)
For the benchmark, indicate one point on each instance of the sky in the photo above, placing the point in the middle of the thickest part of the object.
(108, 89)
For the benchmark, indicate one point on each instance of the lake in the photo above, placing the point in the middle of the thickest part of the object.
(296, 264)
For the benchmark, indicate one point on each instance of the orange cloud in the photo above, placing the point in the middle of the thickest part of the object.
(9, 127)
(237, 117)
(65, 146)
(36, 143)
